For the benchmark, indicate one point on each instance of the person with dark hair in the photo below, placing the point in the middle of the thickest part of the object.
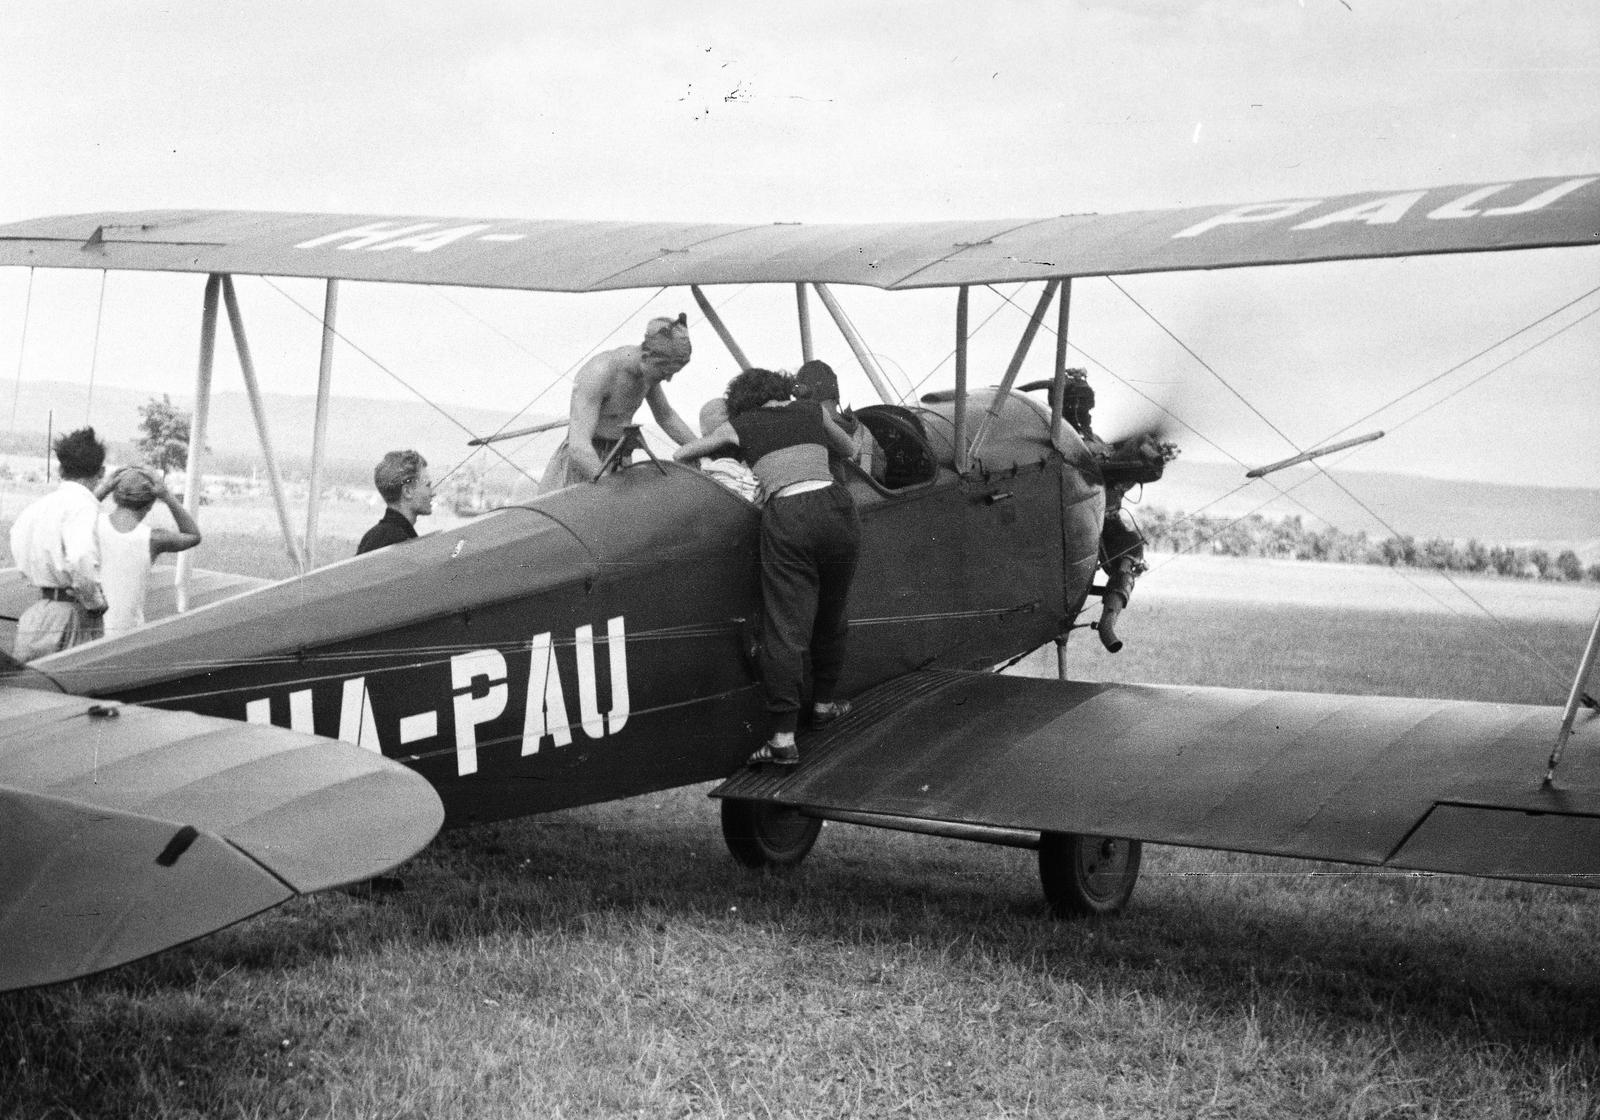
(54, 544)
(815, 380)
(407, 491)
(129, 545)
(606, 393)
(810, 536)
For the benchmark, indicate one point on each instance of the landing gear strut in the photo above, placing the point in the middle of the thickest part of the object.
(1087, 876)
(761, 834)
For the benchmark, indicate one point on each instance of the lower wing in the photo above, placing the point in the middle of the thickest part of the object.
(128, 830)
(1434, 785)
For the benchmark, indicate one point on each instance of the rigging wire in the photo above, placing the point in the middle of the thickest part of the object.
(1112, 280)
(94, 352)
(1466, 362)
(494, 329)
(577, 365)
(1503, 631)
(348, 341)
(22, 349)
(1496, 369)
(406, 658)
(911, 393)
(972, 332)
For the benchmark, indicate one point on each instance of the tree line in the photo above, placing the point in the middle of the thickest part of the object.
(1288, 538)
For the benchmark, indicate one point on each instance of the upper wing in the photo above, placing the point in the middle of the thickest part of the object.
(122, 835)
(575, 256)
(1433, 785)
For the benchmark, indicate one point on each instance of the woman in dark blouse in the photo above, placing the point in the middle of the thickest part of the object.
(810, 535)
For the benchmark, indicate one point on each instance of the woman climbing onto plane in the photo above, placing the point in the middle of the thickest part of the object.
(810, 534)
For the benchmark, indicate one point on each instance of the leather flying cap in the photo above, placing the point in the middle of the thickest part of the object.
(816, 380)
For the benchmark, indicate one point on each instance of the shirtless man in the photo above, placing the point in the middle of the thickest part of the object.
(607, 392)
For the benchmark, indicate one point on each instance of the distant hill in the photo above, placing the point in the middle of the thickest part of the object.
(1414, 505)
(361, 430)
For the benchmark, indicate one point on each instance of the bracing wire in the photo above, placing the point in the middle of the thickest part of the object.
(572, 369)
(1468, 361)
(495, 329)
(972, 332)
(401, 381)
(22, 350)
(1205, 365)
(1530, 348)
(1503, 633)
(1502, 630)
(911, 393)
(94, 352)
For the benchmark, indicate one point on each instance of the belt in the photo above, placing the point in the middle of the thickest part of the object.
(59, 594)
(805, 487)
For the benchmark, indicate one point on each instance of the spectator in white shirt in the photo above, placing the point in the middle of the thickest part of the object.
(54, 543)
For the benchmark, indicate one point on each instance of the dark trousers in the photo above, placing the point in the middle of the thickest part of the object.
(809, 544)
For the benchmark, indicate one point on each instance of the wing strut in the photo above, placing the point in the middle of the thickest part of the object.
(1578, 697)
(1058, 391)
(869, 364)
(1024, 344)
(1307, 456)
(803, 308)
(963, 457)
(197, 427)
(717, 325)
(319, 428)
(247, 368)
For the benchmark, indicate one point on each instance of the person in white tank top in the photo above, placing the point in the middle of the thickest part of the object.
(129, 545)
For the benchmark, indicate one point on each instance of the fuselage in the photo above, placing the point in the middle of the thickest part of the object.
(599, 642)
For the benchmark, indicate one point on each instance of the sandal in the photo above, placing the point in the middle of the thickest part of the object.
(778, 754)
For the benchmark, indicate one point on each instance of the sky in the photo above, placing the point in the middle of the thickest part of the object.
(844, 111)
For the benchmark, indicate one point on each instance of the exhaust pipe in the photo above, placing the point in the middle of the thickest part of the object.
(1114, 597)
(1111, 604)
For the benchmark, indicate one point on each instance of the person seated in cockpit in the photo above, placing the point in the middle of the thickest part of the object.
(1139, 459)
(815, 380)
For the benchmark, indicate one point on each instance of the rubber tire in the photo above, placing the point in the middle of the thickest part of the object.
(762, 834)
(1087, 876)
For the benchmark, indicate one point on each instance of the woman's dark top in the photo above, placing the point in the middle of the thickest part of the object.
(765, 430)
(784, 445)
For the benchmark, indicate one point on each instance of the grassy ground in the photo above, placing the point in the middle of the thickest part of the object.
(613, 961)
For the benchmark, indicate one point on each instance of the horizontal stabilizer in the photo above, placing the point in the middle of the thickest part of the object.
(1434, 785)
(128, 830)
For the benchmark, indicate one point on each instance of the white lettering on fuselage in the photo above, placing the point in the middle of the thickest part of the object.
(480, 693)
(546, 709)
(473, 708)
(1385, 209)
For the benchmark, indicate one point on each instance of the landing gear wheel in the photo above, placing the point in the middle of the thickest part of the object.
(1087, 876)
(761, 834)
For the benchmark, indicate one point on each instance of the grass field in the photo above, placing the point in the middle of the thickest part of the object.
(614, 961)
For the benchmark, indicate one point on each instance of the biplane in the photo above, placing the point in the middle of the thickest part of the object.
(269, 738)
